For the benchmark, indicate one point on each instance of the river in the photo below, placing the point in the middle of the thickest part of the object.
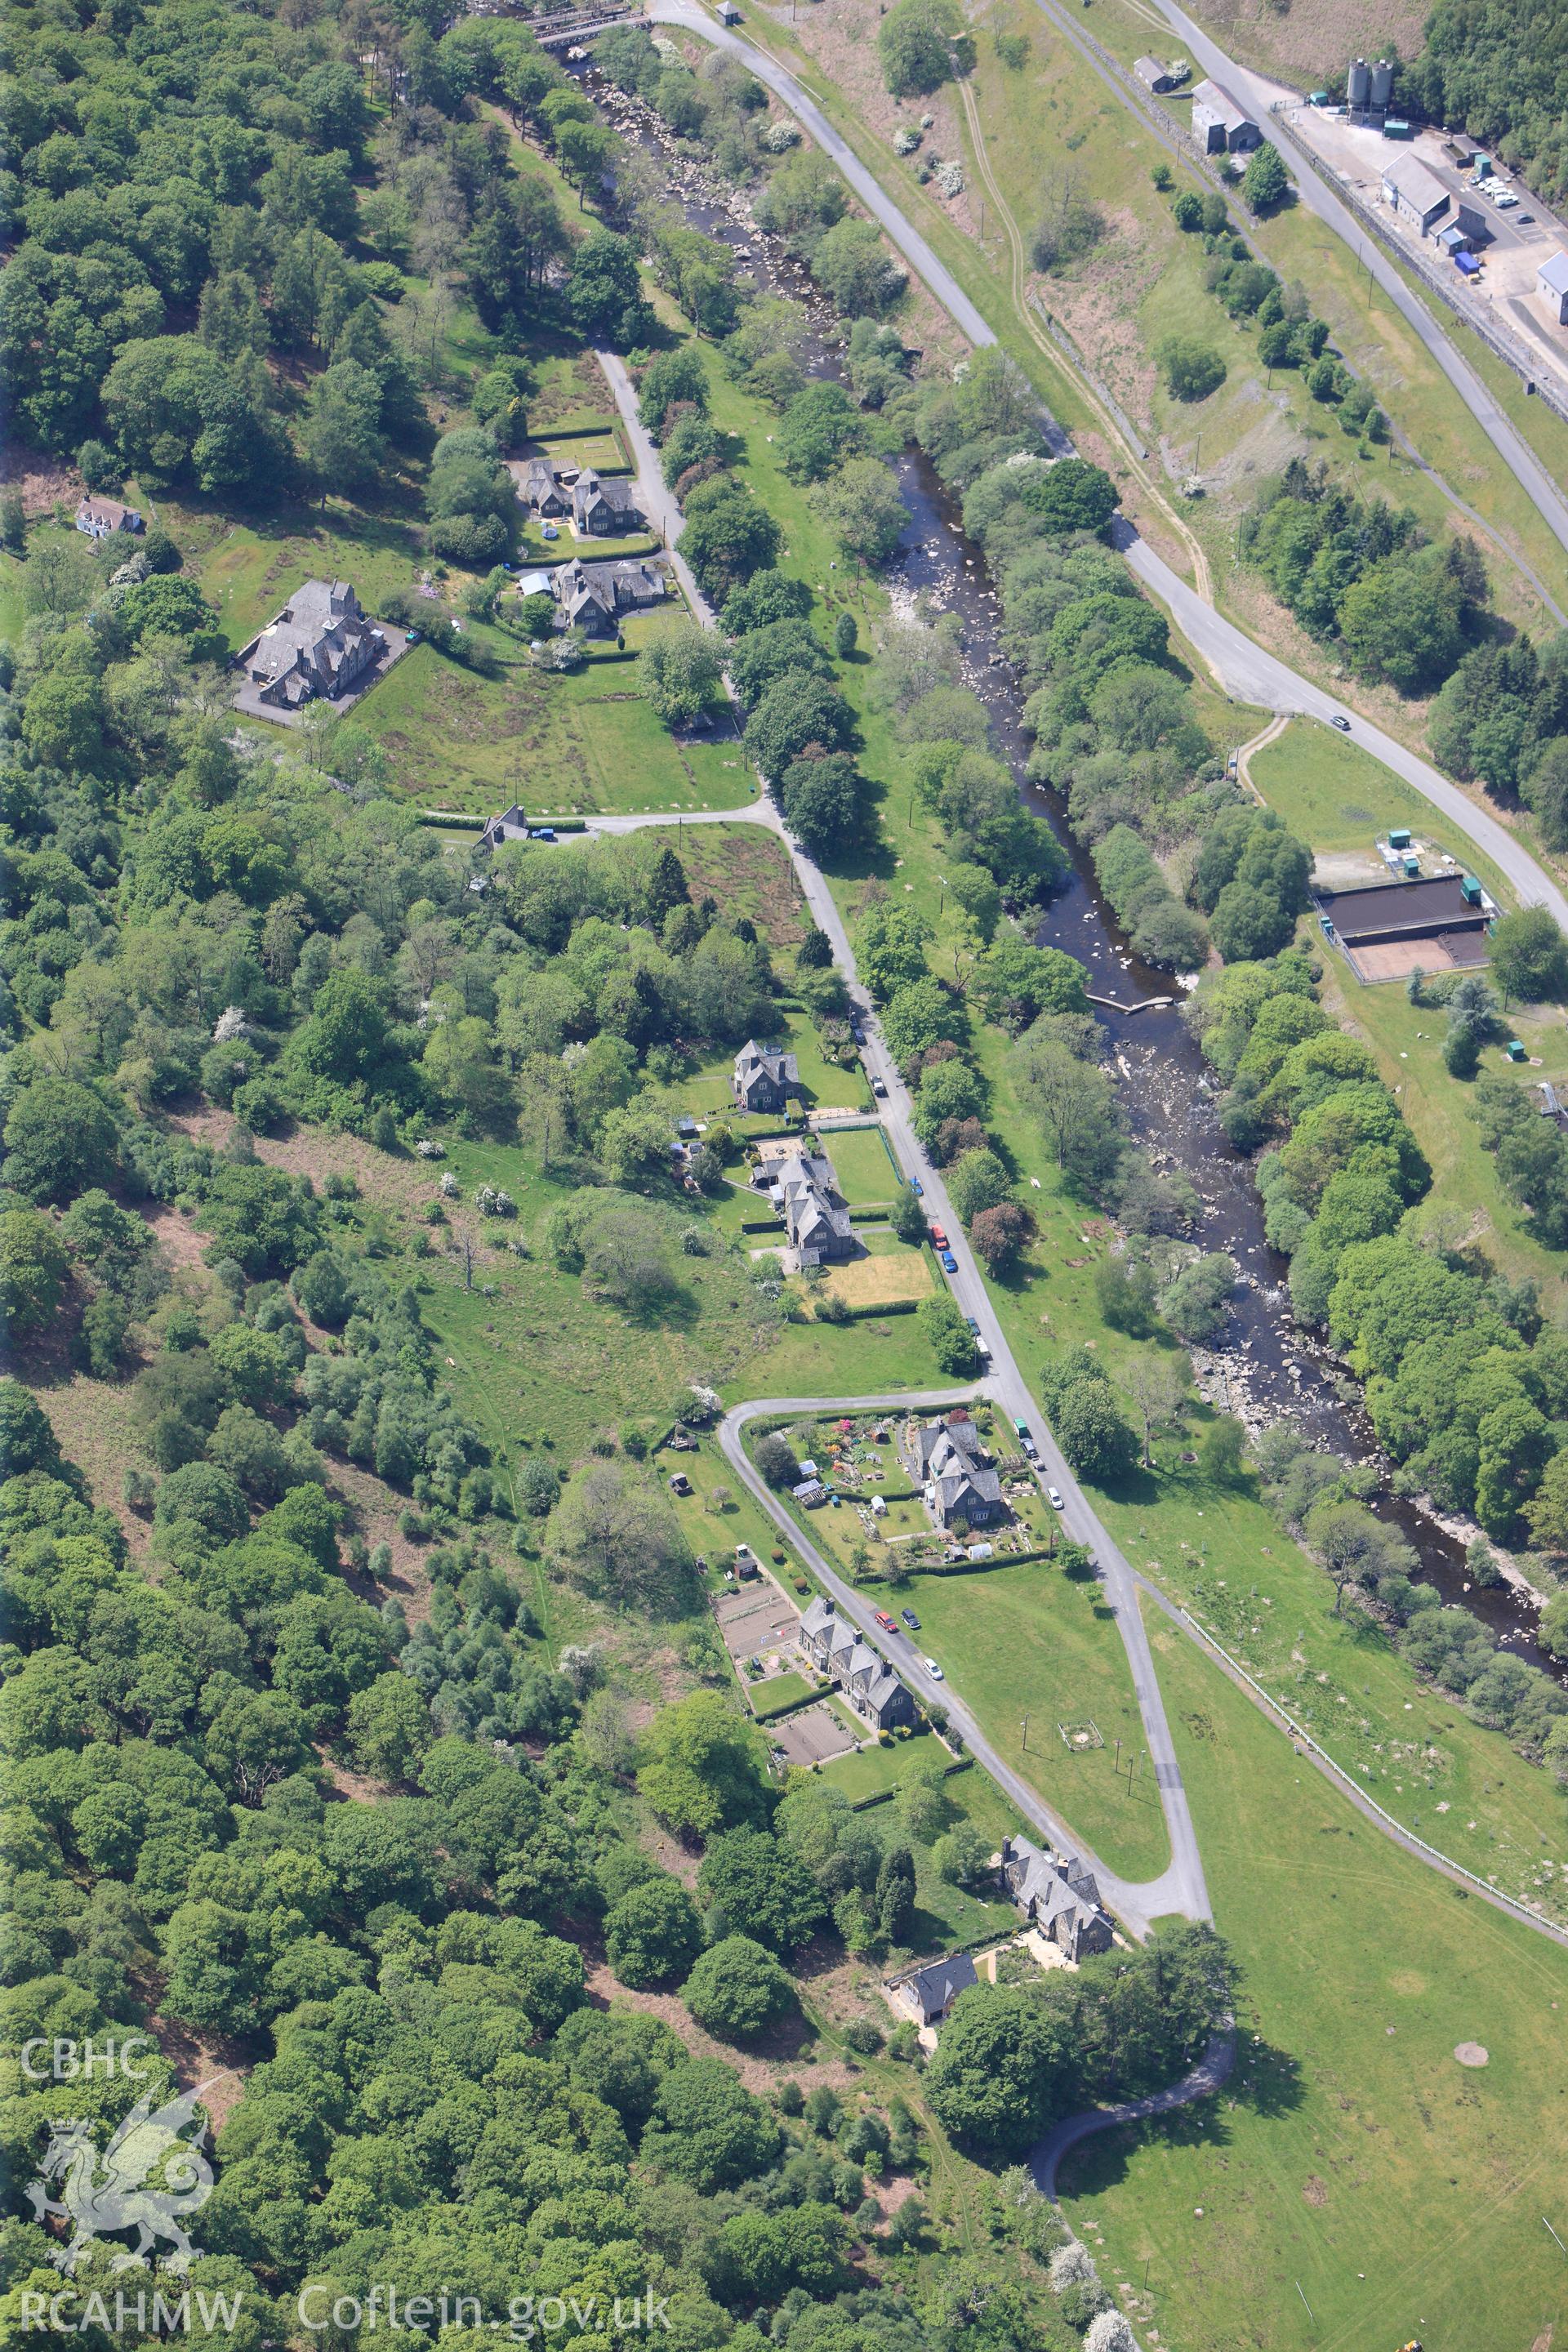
(1264, 1368)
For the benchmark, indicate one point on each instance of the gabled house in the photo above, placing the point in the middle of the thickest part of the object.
(928, 1994)
(765, 1078)
(104, 518)
(511, 824)
(948, 1462)
(540, 489)
(1057, 1894)
(593, 596)
(601, 506)
(804, 1189)
(320, 644)
(865, 1679)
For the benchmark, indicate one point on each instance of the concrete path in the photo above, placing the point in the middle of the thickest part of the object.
(1201, 2083)
(1243, 669)
(1256, 93)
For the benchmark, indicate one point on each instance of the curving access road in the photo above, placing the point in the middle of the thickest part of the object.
(1244, 670)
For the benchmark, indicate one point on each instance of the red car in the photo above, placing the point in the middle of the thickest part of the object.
(939, 1237)
(884, 1620)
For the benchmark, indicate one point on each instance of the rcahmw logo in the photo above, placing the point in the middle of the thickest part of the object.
(140, 2314)
(149, 2179)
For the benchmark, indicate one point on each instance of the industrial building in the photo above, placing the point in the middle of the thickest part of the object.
(1389, 930)
(1219, 123)
(1552, 285)
(1417, 195)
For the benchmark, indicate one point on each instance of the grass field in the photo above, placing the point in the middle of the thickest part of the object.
(1028, 1641)
(889, 1271)
(1408, 1042)
(864, 1168)
(565, 744)
(1351, 2158)
(1340, 799)
(1456, 1784)
(247, 570)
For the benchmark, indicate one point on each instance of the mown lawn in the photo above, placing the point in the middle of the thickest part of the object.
(1355, 2185)
(1030, 1643)
(863, 1164)
(1337, 797)
(1458, 1785)
(565, 745)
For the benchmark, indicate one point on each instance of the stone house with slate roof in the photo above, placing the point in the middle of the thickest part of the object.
(927, 1994)
(947, 1460)
(1059, 1894)
(865, 1679)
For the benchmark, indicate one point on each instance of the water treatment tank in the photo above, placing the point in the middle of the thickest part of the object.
(1358, 84)
(1382, 83)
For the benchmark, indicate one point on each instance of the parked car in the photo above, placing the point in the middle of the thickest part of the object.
(1030, 1448)
(917, 1188)
(950, 1264)
(542, 832)
(938, 1237)
(878, 1089)
(934, 1671)
(884, 1620)
(911, 1620)
(973, 1324)
(1054, 1497)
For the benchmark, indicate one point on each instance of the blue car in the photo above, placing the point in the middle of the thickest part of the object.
(950, 1262)
(917, 1186)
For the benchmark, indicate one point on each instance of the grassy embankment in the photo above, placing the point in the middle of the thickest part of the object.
(1336, 797)
(1354, 2185)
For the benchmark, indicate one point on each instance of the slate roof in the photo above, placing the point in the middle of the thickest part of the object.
(935, 1989)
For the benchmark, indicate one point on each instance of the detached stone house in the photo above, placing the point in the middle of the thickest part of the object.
(1058, 1896)
(865, 1679)
(928, 1994)
(511, 824)
(764, 1078)
(320, 644)
(104, 517)
(592, 597)
(601, 506)
(948, 1462)
(805, 1188)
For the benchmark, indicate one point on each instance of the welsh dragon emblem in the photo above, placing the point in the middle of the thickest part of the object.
(101, 2195)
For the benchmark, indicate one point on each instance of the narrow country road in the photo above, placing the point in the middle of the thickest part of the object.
(1201, 2082)
(1255, 94)
(1135, 1904)
(1243, 669)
